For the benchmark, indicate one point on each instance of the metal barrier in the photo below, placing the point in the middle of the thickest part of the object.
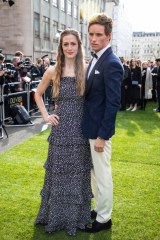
(9, 98)
(25, 98)
(12, 98)
(31, 88)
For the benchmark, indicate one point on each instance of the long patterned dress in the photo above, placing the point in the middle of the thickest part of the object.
(66, 194)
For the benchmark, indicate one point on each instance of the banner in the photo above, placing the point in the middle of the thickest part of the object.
(15, 98)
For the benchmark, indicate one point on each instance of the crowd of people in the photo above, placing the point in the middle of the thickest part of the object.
(141, 82)
(21, 70)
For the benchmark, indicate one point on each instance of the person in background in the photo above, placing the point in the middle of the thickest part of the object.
(146, 85)
(124, 85)
(156, 74)
(151, 64)
(134, 86)
(17, 63)
(2, 70)
(66, 193)
(139, 63)
(19, 54)
(2, 58)
(46, 63)
(36, 70)
(102, 102)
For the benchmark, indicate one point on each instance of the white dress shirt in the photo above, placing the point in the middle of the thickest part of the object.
(94, 59)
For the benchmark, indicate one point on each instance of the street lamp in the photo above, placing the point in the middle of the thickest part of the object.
(81, 23)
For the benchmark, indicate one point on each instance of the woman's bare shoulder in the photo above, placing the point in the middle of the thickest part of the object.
(50, 72)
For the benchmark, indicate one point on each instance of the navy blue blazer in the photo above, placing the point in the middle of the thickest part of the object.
(102, 97)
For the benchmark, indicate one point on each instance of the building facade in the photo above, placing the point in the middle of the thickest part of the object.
(33, 26)
(122, 32)
(146, 45)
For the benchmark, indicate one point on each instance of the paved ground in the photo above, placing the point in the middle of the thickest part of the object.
(18, 134)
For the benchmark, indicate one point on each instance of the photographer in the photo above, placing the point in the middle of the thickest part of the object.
(18, 75)
(36, 70)
(6, 74)
(2, 68)
(19, 54)
(26, 68)
(46, 63)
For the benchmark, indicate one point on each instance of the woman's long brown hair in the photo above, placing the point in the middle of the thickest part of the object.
(79, 64)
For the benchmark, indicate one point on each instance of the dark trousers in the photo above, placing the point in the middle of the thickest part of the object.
(154, 90)
(143, 103)
(123, 98)
(158, 96)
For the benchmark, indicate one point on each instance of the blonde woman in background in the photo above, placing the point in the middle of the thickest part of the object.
(134, 86)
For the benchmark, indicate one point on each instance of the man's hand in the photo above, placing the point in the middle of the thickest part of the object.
(99, 145)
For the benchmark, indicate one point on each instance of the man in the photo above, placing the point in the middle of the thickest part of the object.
(156, 74)
(124, 85)
(46, 63)
(2, 72)
(19, 54)
(102, 101)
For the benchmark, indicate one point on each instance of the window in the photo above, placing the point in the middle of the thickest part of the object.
(63, 27)
(63, 5)
(69, 7)
(55, 31)
(75, 11)
(46, 28)
(46, 1)
(36, 24)
(55, 3)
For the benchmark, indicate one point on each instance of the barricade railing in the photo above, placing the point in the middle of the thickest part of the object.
(10, 98)
(31, 88)
(25, 97)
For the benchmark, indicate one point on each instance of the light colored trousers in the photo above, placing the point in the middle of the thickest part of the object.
(101, 181)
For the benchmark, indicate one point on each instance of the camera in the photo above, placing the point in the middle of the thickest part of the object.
(7, 77)
(26, 64)
(8, 69)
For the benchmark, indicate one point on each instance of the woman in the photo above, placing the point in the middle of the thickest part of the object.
(66, 193)
(134, 86)
(36, 70)
(146, 85)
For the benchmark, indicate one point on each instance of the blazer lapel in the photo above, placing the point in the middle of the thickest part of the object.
(97, 65)
(88, 68)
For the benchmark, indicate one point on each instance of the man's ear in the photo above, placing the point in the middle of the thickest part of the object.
(110, 36)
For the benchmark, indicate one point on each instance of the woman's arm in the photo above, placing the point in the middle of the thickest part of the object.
(44, 83)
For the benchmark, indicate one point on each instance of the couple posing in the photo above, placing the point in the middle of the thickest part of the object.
(87, 103)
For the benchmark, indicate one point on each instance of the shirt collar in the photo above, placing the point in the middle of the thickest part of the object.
(99, 54)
